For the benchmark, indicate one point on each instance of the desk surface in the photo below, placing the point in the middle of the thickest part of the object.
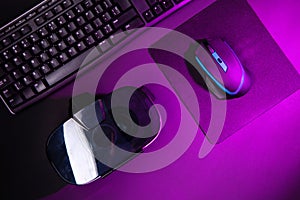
(260, 161)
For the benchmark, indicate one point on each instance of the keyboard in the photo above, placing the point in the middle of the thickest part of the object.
(42, 50)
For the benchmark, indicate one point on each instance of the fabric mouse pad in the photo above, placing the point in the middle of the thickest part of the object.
(273, 76)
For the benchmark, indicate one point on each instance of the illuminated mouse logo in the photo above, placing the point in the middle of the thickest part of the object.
(150, 74)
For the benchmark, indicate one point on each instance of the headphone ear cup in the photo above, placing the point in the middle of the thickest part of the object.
(103, 136)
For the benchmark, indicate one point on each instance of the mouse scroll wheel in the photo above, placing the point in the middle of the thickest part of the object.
(220, 60)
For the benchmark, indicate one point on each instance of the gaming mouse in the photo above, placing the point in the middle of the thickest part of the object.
(221, 69)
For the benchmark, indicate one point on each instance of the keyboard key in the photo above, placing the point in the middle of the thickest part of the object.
(54, 63)
(125, 17)
(90, 41)
(9, 66)
(71, 26)
(20, 21)
(98, 35)
(43, 32)
(104, 46)
(106, 17)
(89, 15)
(6, 41)
(70, 40)
(35, 50)
(98, 10)
(97, 23)
(36, 74)
(136, 23)
(10, 28)
(18, 86)
(88, 3)
(116, 38)
(70, 14)
(18, 61)
(16, 49)
(61, 20)
(26, 29)
(27, 80)
(62, 32)
(30, 15)
(52, 26)
(34, 63)
(62, 45)
(44, 57)
(72, 52)
(39, 87)
(167, 4)
(45, 69)
(34, 37)
(88, 29)
(63, 58)
(7, 54)
(49, 14)
(158, 10)
(107, 29)
(5, 81)
(25, 68)
(26, 55)
(15, 101)
(148, 15)
(17, 74)
(16, 35)
(80, 21)
(79, 9)
(57, 9)
(42, 8)
(53, 38)
(52, 2)
(124, 4)
(39, 21)
(106, 4)
(25, 43)
(53, 51)
(81, 46)
(79, 34)
(7, 93)
(116, 11)
(66, 3)
(28, 93)
(44, 44)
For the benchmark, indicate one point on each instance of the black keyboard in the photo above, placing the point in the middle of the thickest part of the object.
(43, 48)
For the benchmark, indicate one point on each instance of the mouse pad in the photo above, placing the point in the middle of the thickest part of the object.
(273, 76)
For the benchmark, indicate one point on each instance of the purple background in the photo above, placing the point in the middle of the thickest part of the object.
(259, 161)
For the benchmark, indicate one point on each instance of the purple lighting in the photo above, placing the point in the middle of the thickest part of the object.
(258, 157)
